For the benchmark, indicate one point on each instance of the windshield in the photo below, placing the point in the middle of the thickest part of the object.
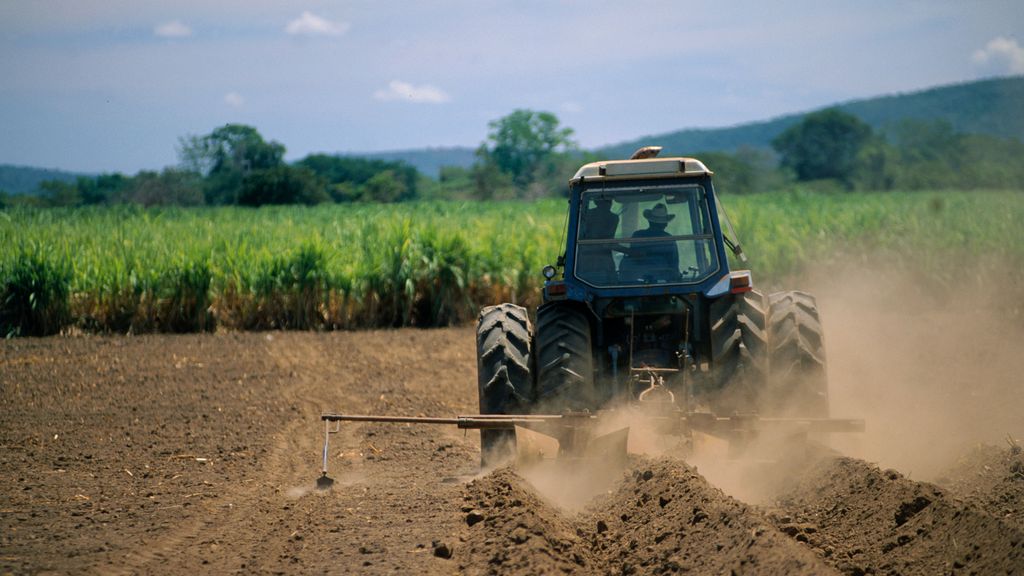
(644, 235)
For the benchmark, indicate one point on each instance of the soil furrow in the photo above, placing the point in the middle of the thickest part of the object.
(198, 453)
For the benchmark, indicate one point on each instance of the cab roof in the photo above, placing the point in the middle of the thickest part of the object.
(646, 168)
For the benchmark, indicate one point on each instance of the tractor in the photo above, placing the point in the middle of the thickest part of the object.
(642, 305)
(642, 315)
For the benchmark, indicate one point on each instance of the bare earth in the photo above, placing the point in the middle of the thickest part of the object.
(198, 454)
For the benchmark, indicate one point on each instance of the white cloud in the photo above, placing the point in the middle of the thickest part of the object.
(309, 24)
(572, 107)
(234, 99)
(398, 90)
(1002, 51)
(172, 29)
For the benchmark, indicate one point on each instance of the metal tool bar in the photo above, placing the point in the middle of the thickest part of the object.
(474, 422)
(367, 418)
(574, 430)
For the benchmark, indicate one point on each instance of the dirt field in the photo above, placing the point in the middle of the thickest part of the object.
(198, 454)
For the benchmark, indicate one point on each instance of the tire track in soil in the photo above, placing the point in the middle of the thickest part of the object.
(242, 529)
(397, 487)
(143, 404)
(198, 541)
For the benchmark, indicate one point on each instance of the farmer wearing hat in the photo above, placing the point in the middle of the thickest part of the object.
(652, 261)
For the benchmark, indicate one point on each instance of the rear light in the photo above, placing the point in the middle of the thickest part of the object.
(556, 289)
(740, 282)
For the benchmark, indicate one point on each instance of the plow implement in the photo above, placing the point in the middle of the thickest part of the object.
(587, 435)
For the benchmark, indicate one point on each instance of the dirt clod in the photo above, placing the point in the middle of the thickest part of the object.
(442, 550)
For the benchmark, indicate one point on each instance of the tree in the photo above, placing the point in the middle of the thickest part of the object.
(825, 144)
(102, 189)
(172, 187)
(383, 187)
(282, 185)
(523, 142)
(226, 156)
(60, 193)
(489, 181)
(454, 182)
(348, 177)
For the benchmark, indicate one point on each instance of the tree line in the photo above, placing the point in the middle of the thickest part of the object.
(529, 154)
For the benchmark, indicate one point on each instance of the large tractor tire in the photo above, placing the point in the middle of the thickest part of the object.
(797, 382)
(565, 363)
(739, 352)
(503, 340)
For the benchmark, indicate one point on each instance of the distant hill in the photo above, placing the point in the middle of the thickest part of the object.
(994, 107)
(427, 160)
(26, 180)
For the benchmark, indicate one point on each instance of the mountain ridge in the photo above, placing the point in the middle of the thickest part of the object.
(993, 106)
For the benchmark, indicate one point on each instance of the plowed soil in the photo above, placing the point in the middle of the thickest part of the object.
(198, 454)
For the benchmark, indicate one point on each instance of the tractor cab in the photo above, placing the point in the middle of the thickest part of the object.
(641, 227)
(645, 274)
(643, 234)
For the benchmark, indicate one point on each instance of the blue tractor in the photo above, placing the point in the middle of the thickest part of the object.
(643, 305)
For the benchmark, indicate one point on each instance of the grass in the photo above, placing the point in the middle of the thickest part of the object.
(135, 270)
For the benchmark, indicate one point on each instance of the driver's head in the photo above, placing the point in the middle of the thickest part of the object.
(659, 215)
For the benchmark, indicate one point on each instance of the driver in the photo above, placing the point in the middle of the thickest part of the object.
(652, 261)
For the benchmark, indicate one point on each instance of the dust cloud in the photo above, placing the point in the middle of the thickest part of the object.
(933, 371)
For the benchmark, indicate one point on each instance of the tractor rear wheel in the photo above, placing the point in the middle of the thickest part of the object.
(797, 382)
(739, 344)
(565, 363)
(503, 350)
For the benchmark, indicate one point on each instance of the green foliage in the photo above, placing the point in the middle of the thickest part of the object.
(226, 156)
(289, 290)
(34, 293)
(747, 171)
(103, 189)
(281, 185)
(456, 183)
(351, 178)
(59, 193)
(489, 181)
(918, 155)
(523, 144)
(825, 144)
(185, 305)
(435, 263)
(171, 187)
(385, 186)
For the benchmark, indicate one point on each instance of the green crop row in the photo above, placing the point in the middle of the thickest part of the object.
(129, 269)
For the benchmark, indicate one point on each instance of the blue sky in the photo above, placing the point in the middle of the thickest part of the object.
(111, 86)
